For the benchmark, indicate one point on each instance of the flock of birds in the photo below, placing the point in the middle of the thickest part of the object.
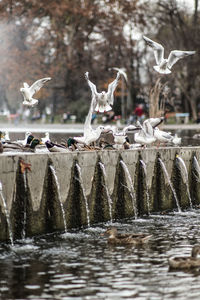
(142, 135)
(102, 138)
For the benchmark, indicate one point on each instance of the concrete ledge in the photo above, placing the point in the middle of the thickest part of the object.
(77, 188)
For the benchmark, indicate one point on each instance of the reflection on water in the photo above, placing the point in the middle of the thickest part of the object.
(81, 265)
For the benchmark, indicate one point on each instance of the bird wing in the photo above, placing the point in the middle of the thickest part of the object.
(157, 49)
(26, 85)
(91, 85)
(36, 86)
(156, 121)
(148, 128)
(87, 125)
(121, 71)
(111, 88)
(175, 55)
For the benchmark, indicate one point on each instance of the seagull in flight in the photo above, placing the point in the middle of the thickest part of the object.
(164, 65)
(103, 101)
(28, 91)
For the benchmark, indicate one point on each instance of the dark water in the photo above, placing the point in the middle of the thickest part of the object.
(81, 265)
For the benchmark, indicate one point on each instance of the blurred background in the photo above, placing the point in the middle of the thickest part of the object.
(63, 39)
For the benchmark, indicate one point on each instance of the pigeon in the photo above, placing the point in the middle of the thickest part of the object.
(28, 91)
(164, 65)
(103, 101)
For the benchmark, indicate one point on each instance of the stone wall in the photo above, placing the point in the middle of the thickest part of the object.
(79, 187)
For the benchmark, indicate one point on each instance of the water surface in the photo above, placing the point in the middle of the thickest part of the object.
(81, 265)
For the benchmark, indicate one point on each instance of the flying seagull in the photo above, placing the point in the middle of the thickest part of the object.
(164, 65)
(28, 91)
(103, 101)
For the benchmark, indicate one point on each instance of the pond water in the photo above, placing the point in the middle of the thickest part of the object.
(81, 265)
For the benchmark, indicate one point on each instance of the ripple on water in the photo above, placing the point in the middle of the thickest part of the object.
(81, 265)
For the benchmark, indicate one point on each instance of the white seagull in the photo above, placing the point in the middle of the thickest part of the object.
(104, 100)
(146, 135)
(90, 135)
(28, 91)
(164, 65)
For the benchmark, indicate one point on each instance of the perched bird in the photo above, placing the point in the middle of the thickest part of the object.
(162, 136)
(53, 147)
(186, 262)
(45, 138)
(28, 91)
(103, 101)
(120, 137)
(164, 65)
(146, 135)
(176, 140)
(27, 139)
(90, 135)
(33, 144)
(116, 238)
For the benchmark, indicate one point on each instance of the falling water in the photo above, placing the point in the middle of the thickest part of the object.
(170, 183)
(84, 193)
(131, 189)
(106, 189)
(59, 198)
(197, 169)
(184, 173)
(147, 192)
(25, 199)
(7, 215)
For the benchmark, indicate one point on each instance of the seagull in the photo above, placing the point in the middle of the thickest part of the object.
(45, 138)
(104, 100)
(162, 136)
(176, 140)
(90, 135)
(164, 65)
(28, 91)
(146, 135)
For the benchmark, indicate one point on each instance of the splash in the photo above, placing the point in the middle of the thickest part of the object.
(170, 183)
(106, 189)
(59, 197)
(6, 214)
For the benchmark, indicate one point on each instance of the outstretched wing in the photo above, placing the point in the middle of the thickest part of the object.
(157, 49)
(91, 85)
(36, 86)
(87, 124)
(26, 85)
(111, 88)
(122, 71)
(175, 55)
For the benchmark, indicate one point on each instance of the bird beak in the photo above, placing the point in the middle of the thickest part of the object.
(41, 143)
